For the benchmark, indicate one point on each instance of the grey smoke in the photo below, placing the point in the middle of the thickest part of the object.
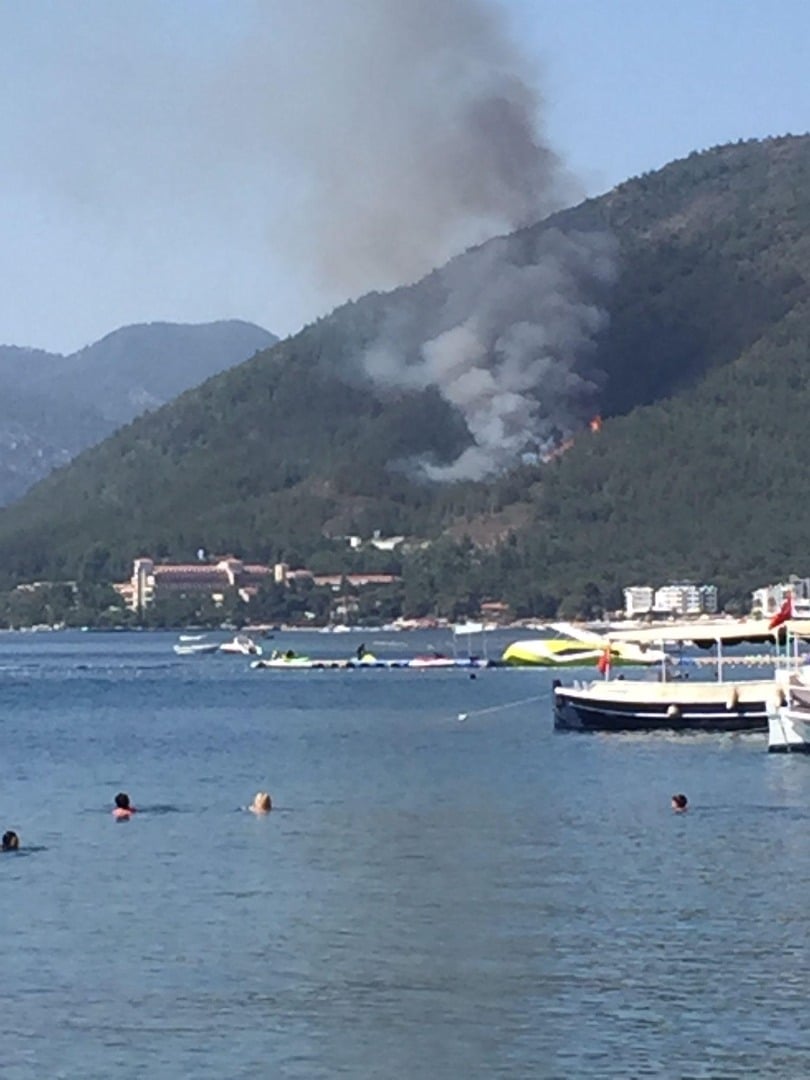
(407, 131)
(510, 348)
(366, 141)
(416, 127)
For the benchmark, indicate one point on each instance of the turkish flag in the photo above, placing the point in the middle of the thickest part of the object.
(784, 613)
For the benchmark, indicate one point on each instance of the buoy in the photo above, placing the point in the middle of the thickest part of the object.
(733, 699)
(673, 712)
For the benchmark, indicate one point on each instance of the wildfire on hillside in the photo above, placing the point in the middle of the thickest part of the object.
(557, 449)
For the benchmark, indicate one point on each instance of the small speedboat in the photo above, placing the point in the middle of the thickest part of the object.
(196, 648)
(242, 645)
(300, 662)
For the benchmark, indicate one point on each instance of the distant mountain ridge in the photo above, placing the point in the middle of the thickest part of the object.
(53, 406)
(701, 374)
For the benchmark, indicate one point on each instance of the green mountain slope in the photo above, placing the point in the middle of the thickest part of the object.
(701, 374)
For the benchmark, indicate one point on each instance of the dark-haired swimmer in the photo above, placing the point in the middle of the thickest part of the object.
(679, 803)
(123, 809)
(10, 842)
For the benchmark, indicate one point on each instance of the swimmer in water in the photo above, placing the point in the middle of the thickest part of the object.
(679, 803)
(123, 809)
(262, 803)
(10, 842)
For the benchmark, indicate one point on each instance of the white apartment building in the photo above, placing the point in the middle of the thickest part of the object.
(679, 598)
(769, 599)
(638, 600)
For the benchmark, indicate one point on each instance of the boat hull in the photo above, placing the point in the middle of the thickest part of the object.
(726, 710)
(788, 732)
(196, 650)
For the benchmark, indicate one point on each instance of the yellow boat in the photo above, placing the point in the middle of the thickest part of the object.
(578, 649)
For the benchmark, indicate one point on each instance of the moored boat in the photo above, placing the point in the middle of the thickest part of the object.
(672, 702)
(642, 705)
(789, 725)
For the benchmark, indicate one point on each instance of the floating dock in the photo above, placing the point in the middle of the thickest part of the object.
(416, 663)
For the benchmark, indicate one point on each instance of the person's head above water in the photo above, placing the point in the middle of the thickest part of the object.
(10, 841)
(123, 807)
(262, 803)
(679, 803)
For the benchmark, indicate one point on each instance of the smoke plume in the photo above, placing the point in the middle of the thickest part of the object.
(409, 128)
(356, 143)
(416, 130)
(510, 347)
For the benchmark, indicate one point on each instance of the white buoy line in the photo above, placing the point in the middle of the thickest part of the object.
(462, 716)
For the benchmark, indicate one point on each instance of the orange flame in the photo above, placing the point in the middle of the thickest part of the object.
(558, 451)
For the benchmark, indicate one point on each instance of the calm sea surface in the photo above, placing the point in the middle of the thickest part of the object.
(430, 897)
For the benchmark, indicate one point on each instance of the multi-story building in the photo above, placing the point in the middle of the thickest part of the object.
(678, 598)
(769, 599)
(638, 600)
(685, 598)
(150, 581)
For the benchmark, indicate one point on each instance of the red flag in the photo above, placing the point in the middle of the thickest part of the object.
(784, 613)
(603, 663)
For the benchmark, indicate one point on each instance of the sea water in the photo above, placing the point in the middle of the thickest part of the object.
(430, 897)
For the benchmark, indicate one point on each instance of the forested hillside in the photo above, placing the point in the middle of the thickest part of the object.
(701, 371)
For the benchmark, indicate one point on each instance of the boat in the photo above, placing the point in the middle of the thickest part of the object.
(242, 645)
(282, 660)
(672, 700)
(577, 648)
(789, 724)
(673, 705)
(196, 648)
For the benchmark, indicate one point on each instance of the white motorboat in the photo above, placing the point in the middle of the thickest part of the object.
(789, 731)
(789, 725)
(196, 648)
(242, 645)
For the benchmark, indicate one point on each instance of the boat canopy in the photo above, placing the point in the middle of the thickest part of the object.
(711, 634)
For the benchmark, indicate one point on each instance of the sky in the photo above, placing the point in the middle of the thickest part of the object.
(194, 160)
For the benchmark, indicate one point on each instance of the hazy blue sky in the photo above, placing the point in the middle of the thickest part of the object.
(163, 160)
